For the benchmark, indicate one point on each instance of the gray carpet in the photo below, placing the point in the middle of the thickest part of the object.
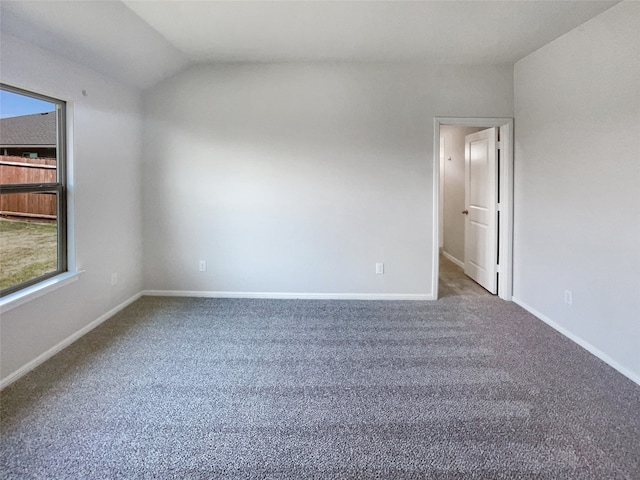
(465, 387)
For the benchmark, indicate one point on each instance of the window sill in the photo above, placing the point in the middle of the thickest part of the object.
(30, 293)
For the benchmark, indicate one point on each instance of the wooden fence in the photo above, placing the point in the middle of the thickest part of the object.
(40, 206)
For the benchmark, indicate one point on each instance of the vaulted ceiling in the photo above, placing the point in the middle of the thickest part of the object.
(141, 43)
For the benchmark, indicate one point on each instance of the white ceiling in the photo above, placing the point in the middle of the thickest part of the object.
(142, 42)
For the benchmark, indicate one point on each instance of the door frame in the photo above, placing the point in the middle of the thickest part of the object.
(505, 234)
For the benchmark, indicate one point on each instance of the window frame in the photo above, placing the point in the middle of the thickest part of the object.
(60, 187)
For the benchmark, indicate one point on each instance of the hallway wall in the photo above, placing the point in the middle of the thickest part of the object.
(452, 195)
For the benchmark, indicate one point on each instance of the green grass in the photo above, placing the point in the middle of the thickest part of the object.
(27, 250)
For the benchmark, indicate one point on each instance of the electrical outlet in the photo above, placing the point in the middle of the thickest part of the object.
(379, 268)
(202, 265)
(568, 297)
(114, 278)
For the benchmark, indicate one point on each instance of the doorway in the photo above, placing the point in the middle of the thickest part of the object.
(454, 283)
(504, 194)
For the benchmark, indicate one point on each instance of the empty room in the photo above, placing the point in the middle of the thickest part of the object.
(320, 239)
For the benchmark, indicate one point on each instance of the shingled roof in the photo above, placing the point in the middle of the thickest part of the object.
(38, 129)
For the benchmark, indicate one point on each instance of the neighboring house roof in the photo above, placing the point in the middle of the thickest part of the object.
(37, 130)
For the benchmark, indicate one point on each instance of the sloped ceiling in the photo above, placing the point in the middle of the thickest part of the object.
(142, 42)
(104, 35)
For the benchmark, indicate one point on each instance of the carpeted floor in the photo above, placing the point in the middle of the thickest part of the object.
(465, 387)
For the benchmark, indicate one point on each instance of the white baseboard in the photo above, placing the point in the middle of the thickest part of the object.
(583, 343)
(65, 343)
(448, 256)
(290, 296)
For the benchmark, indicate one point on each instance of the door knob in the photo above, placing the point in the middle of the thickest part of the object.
(465, 212)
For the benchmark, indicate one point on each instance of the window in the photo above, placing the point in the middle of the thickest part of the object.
(33, 233)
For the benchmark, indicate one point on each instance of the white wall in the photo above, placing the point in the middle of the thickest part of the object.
(452, 173)
(298, 178)
(108, 235)
(577, 184)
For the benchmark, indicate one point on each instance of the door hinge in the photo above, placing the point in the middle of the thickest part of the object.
(498, 145)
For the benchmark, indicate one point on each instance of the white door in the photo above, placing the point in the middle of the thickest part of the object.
(480, 232)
